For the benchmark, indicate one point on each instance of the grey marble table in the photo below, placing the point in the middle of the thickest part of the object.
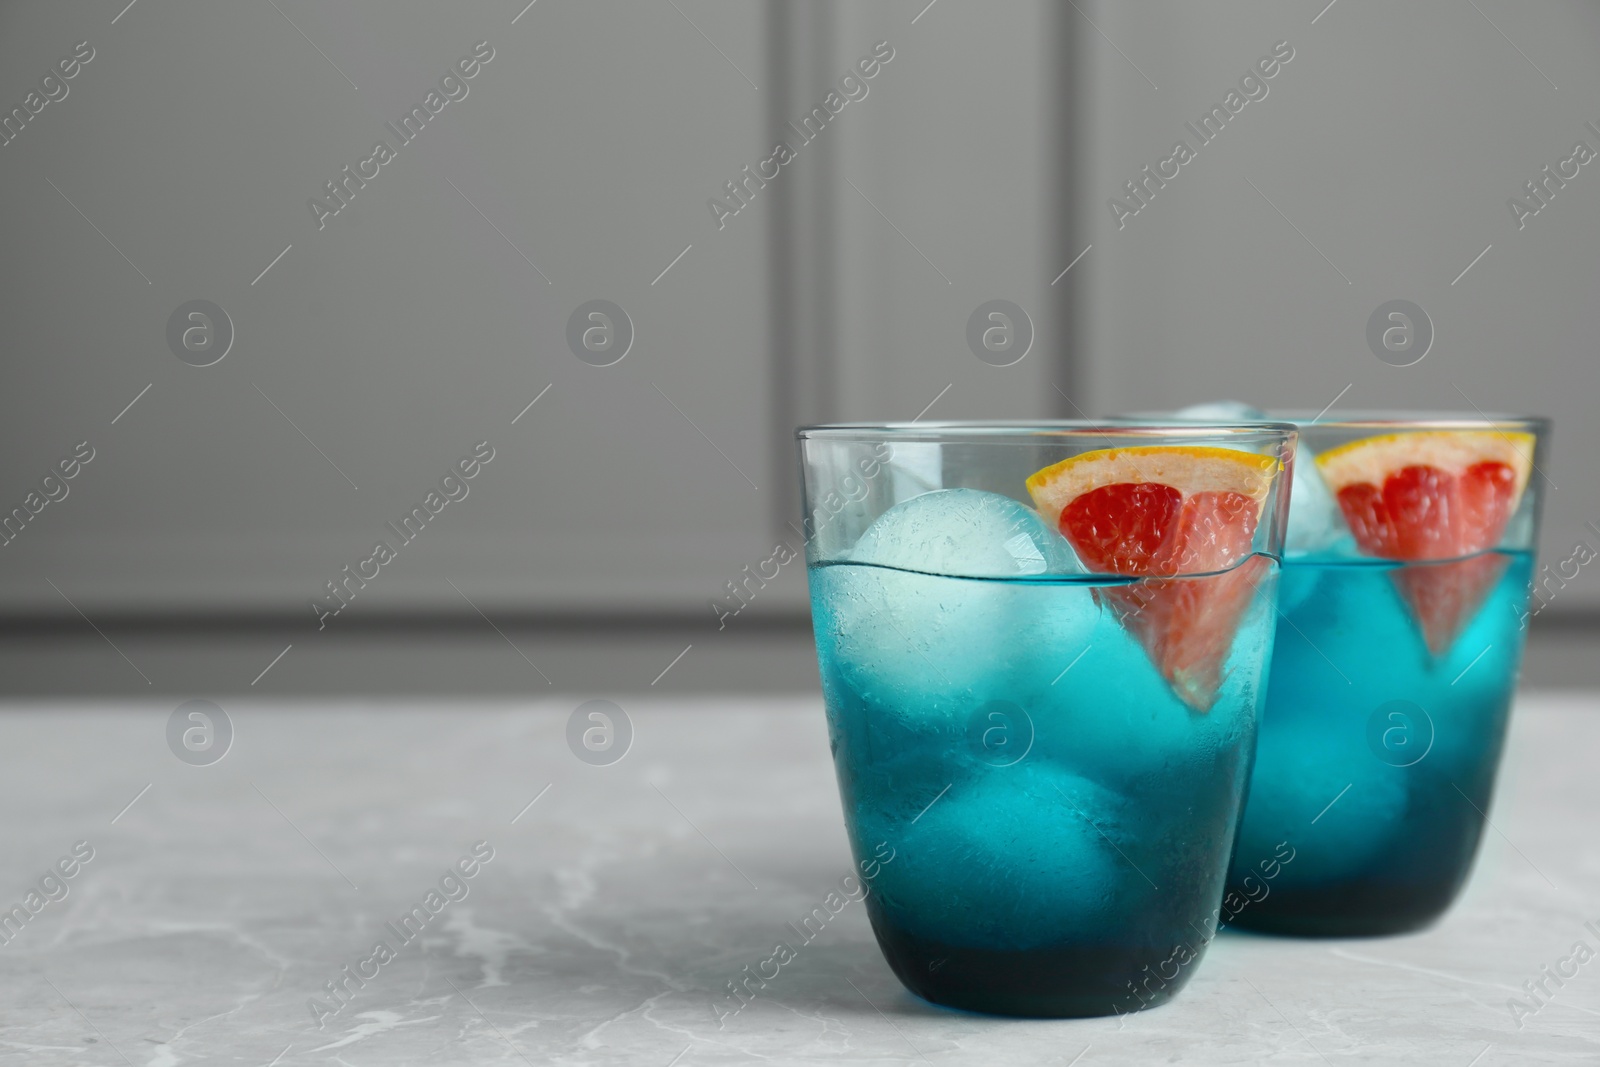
(220, 902)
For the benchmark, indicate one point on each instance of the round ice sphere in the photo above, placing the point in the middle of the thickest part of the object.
(965, 532)
(1222, 411)
(1328, 796)
(928, 650)
(1007, 859)
(947, 602)
(1315, 521)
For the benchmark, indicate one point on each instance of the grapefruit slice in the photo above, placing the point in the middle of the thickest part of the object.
(1157, 512)
(1433, 495)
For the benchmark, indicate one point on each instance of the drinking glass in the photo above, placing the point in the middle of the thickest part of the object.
(1041, 760)
(1404, 602)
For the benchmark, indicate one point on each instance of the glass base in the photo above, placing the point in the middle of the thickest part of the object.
(1068, 981)
(1363, 909)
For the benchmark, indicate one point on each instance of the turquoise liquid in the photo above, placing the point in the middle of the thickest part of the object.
(1403, 744)
(1060, 823)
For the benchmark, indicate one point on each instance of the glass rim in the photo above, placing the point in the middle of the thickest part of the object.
(1378, 419)
(1256, 431)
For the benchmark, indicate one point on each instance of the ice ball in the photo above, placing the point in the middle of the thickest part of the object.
(1008, 860)
(965, 532)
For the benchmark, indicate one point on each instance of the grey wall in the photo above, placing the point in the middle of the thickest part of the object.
(408, 328)
(1378, 167)
(427, 314)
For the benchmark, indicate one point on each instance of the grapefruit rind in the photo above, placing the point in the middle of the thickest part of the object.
(1372, 459)
(1188, 468)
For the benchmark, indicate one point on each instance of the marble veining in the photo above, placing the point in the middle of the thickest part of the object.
(225, 899)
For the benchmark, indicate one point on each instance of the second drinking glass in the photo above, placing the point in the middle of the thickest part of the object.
(1404, 603)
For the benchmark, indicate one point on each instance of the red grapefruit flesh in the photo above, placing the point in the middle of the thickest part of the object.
(1433, 495)
(1157, 512)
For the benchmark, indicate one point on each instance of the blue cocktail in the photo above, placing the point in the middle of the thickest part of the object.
(1403, 597)
(1055, 767)
(1376, 758)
